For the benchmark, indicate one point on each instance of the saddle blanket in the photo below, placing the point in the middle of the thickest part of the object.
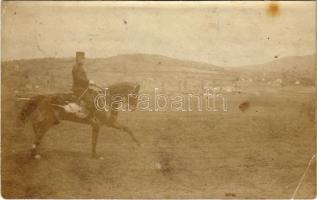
(78, 110)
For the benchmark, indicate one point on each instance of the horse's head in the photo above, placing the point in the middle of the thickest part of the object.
(126, 91)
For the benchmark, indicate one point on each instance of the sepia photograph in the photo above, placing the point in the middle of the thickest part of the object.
(158, 100)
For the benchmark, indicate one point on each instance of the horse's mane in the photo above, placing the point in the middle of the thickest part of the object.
(124, 88)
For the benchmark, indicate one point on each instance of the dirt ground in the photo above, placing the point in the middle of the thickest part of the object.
(256, 151)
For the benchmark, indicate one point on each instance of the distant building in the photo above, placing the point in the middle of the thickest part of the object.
(17, 67)
(277, 82)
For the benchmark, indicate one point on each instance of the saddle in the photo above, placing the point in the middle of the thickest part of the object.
(68, 102)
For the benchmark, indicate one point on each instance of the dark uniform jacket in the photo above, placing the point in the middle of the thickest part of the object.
(80, 80)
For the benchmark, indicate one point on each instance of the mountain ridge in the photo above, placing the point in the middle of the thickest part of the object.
(291, 67)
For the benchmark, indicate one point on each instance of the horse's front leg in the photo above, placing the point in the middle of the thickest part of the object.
(95, 133)
(119, 126)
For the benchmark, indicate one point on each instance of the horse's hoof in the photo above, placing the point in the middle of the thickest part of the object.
(97, 157)
(100, 158)
(37, 156)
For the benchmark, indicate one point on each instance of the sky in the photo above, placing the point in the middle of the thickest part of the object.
(219, 33)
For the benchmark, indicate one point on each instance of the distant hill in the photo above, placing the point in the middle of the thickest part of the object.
(142, 67)
(120, 64)
(289, 69)
(149, 63)
(104, 71)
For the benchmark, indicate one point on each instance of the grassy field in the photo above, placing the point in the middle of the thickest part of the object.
(258, 151)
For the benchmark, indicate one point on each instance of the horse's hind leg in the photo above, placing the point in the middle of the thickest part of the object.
(116, 125)
(95, 132)
(39, 130)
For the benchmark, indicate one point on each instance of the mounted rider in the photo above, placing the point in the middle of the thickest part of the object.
(82, 85)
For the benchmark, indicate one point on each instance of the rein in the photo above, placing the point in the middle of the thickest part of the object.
(81, 96)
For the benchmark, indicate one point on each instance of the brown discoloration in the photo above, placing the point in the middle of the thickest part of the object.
(273, 9)
(244, 106)
(229, 194)
(164, 166)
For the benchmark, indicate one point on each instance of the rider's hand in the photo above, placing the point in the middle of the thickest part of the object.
(91, 82)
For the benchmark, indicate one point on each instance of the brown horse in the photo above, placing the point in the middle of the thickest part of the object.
(49, 110)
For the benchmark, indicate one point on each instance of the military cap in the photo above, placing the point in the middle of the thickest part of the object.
(80, 54)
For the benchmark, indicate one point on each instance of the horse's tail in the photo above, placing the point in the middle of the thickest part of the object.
(29, 107)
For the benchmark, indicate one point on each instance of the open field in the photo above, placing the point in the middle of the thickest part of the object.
(254, 62)
(260, 151)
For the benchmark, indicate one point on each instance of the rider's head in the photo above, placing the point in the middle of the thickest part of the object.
(80, 57)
